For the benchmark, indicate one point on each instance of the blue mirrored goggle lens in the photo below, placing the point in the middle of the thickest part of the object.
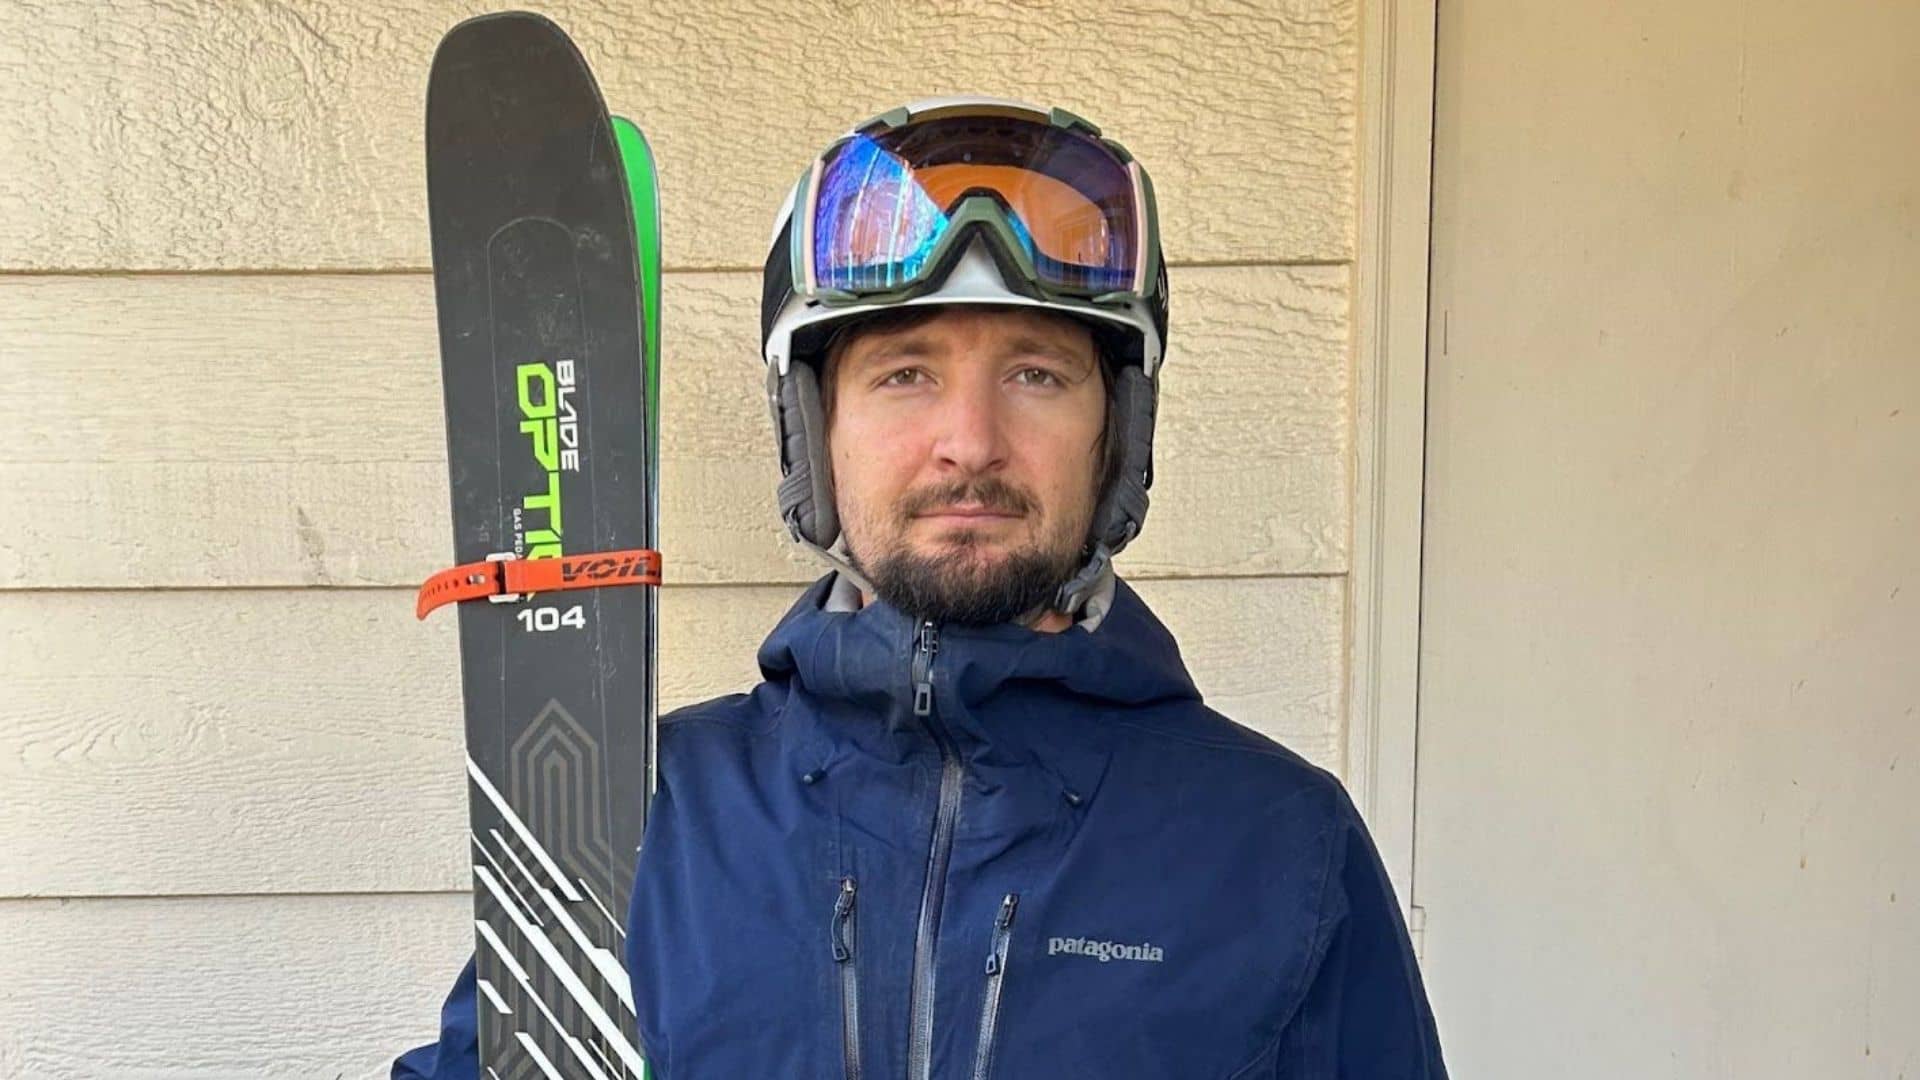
(883, 202)
(875, 228)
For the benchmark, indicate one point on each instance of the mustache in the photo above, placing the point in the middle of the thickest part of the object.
(989, 492)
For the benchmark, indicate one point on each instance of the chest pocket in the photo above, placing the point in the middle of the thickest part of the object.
(1119, 1008)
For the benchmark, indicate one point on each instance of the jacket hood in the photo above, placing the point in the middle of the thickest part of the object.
(1028, 713)
(862, 656)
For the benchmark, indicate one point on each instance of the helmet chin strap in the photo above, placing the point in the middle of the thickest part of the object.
(1072, 595)
(837, 559)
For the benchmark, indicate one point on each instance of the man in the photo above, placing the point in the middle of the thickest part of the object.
(976, 821)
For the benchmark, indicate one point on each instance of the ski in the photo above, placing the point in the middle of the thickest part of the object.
(545, 234)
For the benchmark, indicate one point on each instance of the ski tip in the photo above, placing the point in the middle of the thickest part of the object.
(481, 35)
(503, 21)
(634, 141)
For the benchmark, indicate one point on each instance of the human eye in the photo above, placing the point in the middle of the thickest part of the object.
(1038, 376)
(893, 378)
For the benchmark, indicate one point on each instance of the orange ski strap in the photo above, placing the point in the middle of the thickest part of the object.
(504, 579)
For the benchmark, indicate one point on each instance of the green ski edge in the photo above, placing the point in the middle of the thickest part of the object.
(643, 190)
(643, 194)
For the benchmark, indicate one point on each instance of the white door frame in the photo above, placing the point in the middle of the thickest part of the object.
(1395, 154)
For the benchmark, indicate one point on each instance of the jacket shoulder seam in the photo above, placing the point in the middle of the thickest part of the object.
(720, 712)
(1210, 742)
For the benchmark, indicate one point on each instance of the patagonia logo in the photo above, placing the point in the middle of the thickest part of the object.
(1104, 951)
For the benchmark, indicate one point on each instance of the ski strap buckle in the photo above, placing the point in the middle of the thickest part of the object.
(502, 579)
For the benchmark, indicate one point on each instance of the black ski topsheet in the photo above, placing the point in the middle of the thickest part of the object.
(541, 344)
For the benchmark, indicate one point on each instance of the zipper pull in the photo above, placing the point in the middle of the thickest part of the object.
(842, 920)
(1002, 923)
(928, 644)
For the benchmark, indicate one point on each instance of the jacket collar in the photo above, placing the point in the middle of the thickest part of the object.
(1007, 695)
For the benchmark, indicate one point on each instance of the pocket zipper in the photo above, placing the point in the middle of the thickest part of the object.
(996, 977)
(843, 939)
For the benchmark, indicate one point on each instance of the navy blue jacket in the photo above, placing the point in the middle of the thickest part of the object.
(945, 852)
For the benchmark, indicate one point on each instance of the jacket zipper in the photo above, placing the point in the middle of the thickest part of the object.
(996, 975)
(933, 897)
(843, 939)
(926, 643)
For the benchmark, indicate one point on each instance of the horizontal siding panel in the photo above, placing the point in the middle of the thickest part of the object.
(277, 136)
(309, 740)
(286, 430)
(267, 741)
(224, 988)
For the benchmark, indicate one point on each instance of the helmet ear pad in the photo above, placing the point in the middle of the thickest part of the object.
(1123, 506)
(806, 474)
(1122, 509)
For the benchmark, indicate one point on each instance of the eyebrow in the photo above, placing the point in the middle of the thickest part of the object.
(1027, 343)
(910, 345)
(891, 346)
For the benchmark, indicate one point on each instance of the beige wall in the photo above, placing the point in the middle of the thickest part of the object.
(231, 805)
(1668, 822)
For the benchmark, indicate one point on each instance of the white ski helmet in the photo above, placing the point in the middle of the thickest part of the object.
(967, 200)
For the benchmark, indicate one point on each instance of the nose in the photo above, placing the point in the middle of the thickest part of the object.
(970, 430)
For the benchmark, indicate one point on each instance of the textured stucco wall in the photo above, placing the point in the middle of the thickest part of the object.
(231, 801)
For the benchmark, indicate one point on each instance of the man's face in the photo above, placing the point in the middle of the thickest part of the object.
(965, 453)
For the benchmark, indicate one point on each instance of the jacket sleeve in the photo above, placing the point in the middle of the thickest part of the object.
(1365, 1014)
(457, 1055)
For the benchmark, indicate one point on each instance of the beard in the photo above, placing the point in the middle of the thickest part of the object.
(960, 582)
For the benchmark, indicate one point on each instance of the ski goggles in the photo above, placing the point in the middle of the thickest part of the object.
(881, 211)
